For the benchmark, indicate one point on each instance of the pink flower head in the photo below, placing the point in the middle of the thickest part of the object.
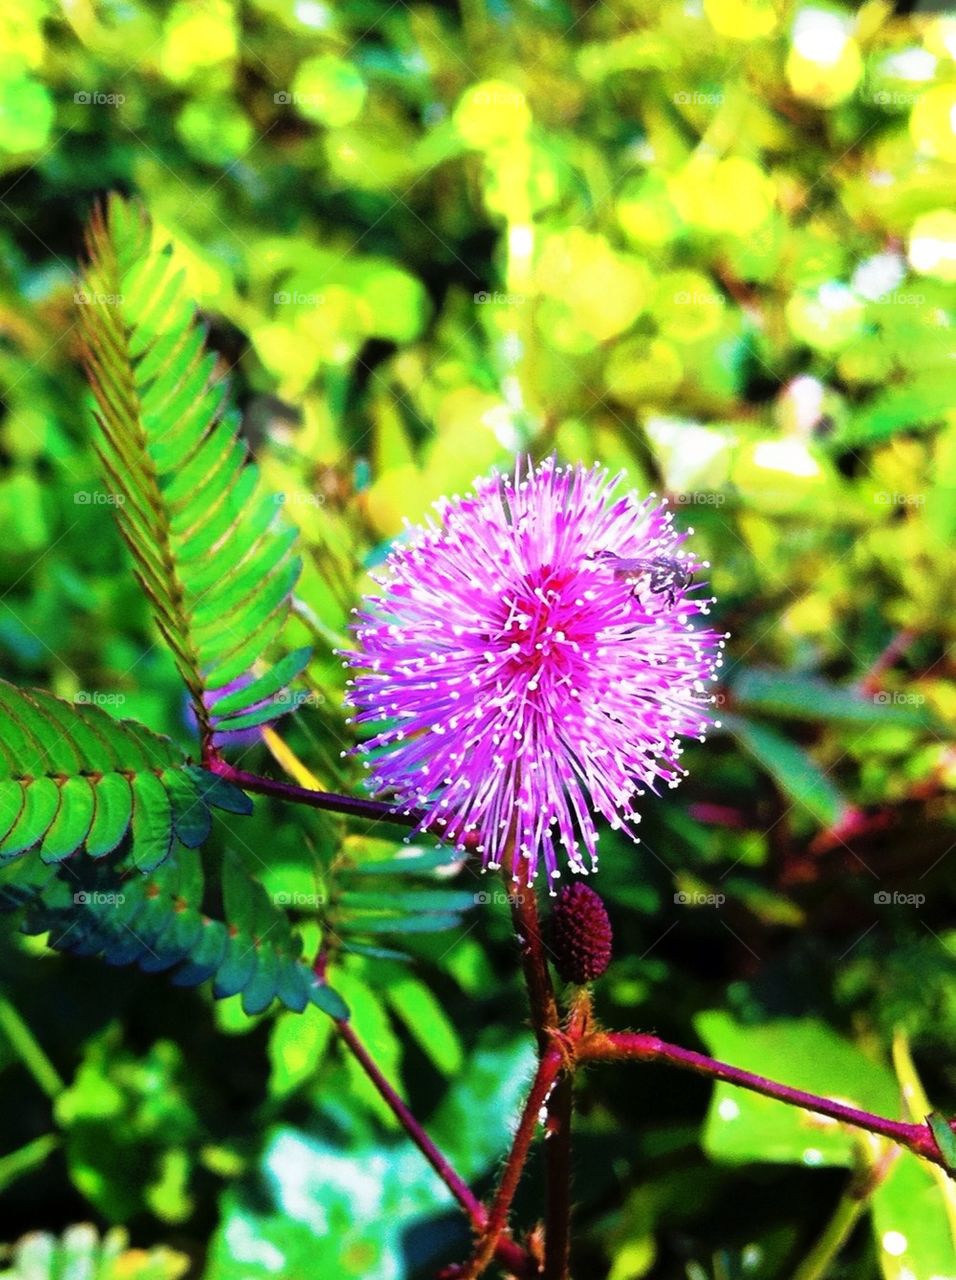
(534, 655)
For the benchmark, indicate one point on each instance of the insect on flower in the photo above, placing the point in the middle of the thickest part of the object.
(535, 655)
(665, 575)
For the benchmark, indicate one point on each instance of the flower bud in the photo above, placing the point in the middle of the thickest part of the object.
(580, 934)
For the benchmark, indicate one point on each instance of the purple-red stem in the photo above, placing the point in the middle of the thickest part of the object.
(545, 1019)
(510, 1255)
(548, 1067)
(888, 658)
(331, 801)
(601, 1046)
(611, 1045)
(459, 1189)
(524, 914)
(352, 806)
(557, 1244)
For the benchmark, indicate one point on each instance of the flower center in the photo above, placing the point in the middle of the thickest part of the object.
(539, 615)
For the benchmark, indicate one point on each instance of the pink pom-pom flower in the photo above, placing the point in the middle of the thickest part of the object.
(534, 654)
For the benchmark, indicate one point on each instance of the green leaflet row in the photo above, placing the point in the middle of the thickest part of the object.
(210, 549)
(156, 922)
(73, 778)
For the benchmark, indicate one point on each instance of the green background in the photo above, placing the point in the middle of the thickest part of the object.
(712, 245)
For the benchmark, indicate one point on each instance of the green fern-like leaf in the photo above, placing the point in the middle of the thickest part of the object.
(209, 551)
(72, 778)
(396, 897)
(157, 922)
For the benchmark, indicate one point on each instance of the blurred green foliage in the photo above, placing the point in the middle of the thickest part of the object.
(711, 244)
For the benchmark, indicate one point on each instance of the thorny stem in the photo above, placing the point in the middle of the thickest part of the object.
(549, 1065)
(616, 1045)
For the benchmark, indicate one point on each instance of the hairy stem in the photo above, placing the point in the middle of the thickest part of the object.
(549, 1065)
(615, 1045)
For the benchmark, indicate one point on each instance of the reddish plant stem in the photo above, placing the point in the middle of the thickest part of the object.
(549, 1065)
(615, 1045)
(545, 1019)
(524, 914)
(557, 1243)
(560, 1111)
(888, 658)
(331, 801)
(459, 1189)
(510, 1255)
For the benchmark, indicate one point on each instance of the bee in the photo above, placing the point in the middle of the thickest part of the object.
(664, 575)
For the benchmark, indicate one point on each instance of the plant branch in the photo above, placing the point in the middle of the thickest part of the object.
(509, 1254)
(351, 806)
(616, 1045)
(459, 1189)
(549, 1065)
(897, 646)
(816, 1265)
(557, 1244)
(524, 914)
(545, 1019)
(557, 1240)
